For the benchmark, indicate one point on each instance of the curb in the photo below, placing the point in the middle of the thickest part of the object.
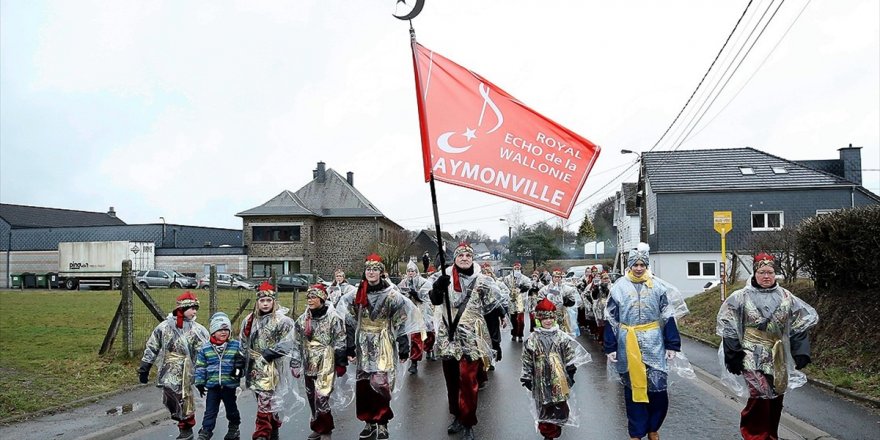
(866, 400)
(128, 427)
(67, 406)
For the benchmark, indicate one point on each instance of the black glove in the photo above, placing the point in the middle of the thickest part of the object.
(270, 355)
(801, 361)
(144, 372)
(201, 388)
(523, 288)
(733, 355)
(526, 383)
(570, 370)
(734, 362)
(567, 302)
(403, 347)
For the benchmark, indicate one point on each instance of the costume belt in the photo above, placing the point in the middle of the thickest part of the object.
(772, 343)
(186, 380)
(321, 360)
(638, 374)
(264, 375)
(379, 327)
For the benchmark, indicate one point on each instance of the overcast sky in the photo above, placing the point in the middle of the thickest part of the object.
(194, 111)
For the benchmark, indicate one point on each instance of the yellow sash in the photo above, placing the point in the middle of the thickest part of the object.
(638, 374)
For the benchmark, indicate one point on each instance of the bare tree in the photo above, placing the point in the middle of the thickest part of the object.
(394, 249)
(783, 245)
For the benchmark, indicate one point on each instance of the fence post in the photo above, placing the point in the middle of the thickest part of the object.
(213, 289)
(127, 308)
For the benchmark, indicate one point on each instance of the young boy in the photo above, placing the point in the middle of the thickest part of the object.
(180, 336)
(319, 354)
(218, 367)
(550, 358)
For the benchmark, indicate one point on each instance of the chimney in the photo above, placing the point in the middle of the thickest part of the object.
(349, 177)
(111, 212)
(851, 159)
(321, 173)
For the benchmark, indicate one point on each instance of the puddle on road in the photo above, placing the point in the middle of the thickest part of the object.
(124, 409)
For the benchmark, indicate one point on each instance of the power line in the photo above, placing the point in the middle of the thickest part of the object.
(704, 76)
(784, 34)
(735, 69)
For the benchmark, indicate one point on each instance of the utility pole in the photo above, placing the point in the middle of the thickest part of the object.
(641, 197)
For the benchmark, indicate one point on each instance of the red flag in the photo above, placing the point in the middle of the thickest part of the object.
(477, 136)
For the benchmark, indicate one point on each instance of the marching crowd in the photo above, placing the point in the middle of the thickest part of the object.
(352, 343)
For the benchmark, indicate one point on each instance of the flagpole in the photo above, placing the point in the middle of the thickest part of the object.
(423, 129)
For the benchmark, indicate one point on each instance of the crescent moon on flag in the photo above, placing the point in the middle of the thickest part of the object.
(416, 9)
(443, 144)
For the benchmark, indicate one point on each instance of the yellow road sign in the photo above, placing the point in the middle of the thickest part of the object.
(723, 221)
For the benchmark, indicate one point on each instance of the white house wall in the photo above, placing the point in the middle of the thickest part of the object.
(672, 267)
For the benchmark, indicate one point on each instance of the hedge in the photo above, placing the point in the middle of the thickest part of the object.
(842, 249)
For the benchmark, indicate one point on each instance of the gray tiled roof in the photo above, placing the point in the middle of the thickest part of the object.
(333, 197)
(176, 236)
(713, 170)
(21, 216)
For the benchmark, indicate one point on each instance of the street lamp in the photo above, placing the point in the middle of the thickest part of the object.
(641, 201)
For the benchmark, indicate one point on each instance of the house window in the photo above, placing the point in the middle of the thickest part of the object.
(702, 269)
(825, 211)
(779, 170)
(767, 221)
(263, 269)
(747, 171)
(221, 268)
(276, 233)
(651, 226)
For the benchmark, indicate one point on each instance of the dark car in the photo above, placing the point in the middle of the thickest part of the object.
(292, 283)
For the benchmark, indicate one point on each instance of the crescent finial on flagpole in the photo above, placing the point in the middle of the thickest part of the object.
(416, 9)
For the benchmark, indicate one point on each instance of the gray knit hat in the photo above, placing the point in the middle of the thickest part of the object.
(220, 321)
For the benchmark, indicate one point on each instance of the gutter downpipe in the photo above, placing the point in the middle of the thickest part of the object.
(8, 256)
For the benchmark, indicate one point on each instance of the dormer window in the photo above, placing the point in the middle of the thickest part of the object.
(779, 170)
(747, 171)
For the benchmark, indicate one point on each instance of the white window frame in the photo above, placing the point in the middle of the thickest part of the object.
(826, 211)
(702, 275)
(778, 169)
(747, 171)
(767, 228)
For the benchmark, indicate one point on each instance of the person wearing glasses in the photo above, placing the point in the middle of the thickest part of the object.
(765, 341)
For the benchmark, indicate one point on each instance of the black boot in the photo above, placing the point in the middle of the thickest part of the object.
(205, 435)
(369, 430)
(454, 427)
(382, 432)
(274, 434)
(467, 433)
(185, 433)
(413, 367)
(232, 433)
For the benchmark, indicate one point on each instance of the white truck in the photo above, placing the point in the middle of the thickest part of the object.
(99, 263)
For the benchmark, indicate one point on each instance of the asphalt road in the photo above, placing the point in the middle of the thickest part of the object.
(696, 412)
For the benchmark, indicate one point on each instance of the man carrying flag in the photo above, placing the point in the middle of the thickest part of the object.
(464, 344)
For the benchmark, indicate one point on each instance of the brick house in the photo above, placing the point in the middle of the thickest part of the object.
(764, 193)
(324, 225)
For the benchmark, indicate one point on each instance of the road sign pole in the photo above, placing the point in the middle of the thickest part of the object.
(723, 266)
(723, 223)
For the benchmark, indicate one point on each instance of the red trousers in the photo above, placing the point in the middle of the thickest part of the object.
(266, 422)
(418, 346)
(760, 419)
(370, 405)
(462, 388)
(517, 324)
(322, 418)
(188, 422)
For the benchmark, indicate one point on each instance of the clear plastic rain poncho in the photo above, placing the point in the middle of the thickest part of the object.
(471, 338)
(628, 306)
(559, 294)
(176, 370)
(547, 356)
(763, 322)
(317, 356)
(411, 287)
(379, 331)
(270, 381)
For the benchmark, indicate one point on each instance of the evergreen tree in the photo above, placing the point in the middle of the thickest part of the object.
(586, 232)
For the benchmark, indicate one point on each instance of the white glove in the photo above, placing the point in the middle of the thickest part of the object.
(670, 355)
(612, 356)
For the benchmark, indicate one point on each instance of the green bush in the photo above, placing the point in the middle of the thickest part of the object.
(841, 249)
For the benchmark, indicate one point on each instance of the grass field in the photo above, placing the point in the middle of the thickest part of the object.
(49, 343)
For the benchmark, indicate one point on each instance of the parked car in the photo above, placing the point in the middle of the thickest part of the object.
(165, 278)
(292, 283)
(312, 278)
(577, 272)
(226, 281)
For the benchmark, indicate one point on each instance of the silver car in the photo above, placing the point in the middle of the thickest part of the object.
(165, 278)
(226, 281)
